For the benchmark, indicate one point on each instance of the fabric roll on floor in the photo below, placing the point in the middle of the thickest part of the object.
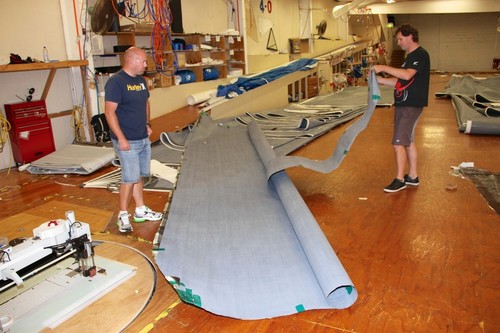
(201, 97)
(241, 246)
(482, 127)
(475, 101)
(228, 243)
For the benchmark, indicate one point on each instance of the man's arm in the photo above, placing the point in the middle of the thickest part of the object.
(397, 73)
(148, 118)
(114, 125)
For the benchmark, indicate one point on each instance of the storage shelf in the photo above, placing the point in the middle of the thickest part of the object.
(228, 49)
(42, 65)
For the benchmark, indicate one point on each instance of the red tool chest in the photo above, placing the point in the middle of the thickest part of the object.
(31, 132)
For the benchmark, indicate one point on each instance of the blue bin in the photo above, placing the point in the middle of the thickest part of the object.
(210, 73)
(186, 76)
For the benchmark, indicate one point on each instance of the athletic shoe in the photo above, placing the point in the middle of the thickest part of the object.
(124, 224)
(411, 181)
(147, 215)
(396, 185)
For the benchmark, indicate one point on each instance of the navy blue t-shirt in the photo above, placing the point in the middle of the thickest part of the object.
(131, 95)
(414, 92)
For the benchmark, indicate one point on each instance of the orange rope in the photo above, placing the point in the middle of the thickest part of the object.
(77, 30)
(162, 17)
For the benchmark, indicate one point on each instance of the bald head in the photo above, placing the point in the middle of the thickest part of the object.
(134, 61)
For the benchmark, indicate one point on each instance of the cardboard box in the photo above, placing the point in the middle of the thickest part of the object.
(181, 59)
(312, 86)
(150, 82)
(150, 63)
(299, 45)
(163, 80)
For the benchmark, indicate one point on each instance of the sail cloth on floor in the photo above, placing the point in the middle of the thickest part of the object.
(74, 158)
(276, 164)
(476, 102)
(487, 183)
(241, 246)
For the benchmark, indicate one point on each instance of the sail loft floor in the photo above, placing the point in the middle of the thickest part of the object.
(423, 260)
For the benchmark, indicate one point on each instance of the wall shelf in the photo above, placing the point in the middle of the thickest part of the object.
(52, 67)
(198, 53)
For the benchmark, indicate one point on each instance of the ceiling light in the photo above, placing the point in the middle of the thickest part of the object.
(390, 1)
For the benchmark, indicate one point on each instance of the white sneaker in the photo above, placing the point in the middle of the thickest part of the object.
(124, 223)
(147, 215)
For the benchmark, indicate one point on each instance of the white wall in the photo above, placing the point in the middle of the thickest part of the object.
(283, 20)
(457, 42)
(436, 7)
(198, 17)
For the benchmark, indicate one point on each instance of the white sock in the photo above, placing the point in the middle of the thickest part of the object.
(140, 209)
(121, 212)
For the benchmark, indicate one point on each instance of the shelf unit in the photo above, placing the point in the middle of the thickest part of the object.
(197, 53)
(236, 54)
(203, 51)
(345, 68)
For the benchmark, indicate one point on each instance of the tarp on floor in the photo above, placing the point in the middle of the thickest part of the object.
(75, 159)
(476, 102)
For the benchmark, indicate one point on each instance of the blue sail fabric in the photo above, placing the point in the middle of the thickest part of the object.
(249, 83)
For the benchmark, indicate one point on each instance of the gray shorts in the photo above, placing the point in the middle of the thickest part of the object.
(405, 120)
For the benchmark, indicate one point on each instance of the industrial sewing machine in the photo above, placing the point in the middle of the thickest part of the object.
(51, 242)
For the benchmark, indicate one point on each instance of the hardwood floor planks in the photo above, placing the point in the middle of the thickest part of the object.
(423, 260)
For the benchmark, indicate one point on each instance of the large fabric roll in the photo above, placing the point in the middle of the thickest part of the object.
(240, 241)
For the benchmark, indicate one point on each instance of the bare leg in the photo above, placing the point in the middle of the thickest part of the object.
(411, 152)
(138, 194)
(125, 195)
(400, 154)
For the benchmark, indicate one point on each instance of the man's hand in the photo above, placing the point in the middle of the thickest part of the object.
(378, 68)
(123, 144)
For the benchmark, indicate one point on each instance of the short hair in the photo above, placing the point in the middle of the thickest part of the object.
(407, 29)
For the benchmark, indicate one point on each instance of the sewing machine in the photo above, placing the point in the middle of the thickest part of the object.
(51, 242)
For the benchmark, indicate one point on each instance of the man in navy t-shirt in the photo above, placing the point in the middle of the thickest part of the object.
(127, 113)
(411, 93)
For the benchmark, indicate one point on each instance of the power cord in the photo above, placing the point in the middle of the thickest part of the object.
(4, 131)
(77, 123)
(4, 136)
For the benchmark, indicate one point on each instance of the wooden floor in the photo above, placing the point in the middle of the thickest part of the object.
(423, 260)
